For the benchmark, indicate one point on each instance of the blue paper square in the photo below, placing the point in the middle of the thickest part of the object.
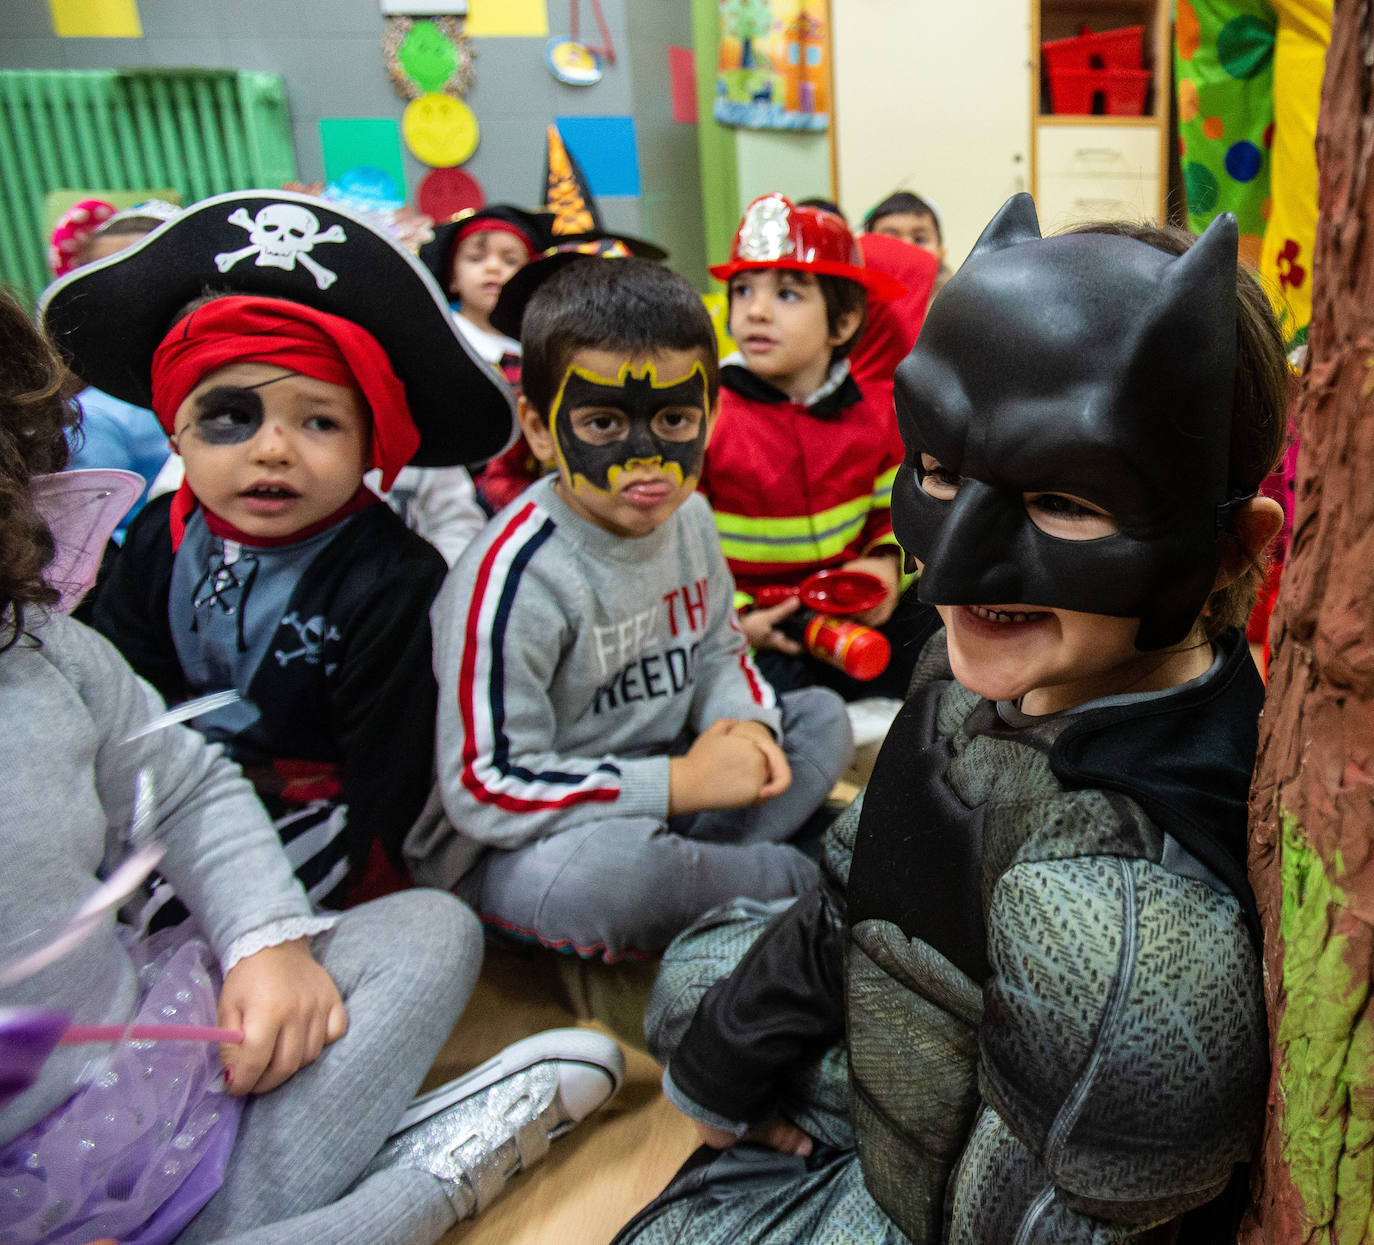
(605, 150)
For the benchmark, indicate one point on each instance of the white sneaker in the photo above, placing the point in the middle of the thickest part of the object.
(476, 1132)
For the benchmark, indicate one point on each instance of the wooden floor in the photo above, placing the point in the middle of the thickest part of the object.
(594, 1179)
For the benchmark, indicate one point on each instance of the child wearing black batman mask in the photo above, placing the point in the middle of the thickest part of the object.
(1024, 1003)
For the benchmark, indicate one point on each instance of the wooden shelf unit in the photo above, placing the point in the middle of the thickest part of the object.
(1086, 167)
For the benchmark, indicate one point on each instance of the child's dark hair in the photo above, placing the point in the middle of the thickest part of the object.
(904, 201)
(825, 205)
(842, 296)
(630, 305)
(36, 409)
(1259, 407)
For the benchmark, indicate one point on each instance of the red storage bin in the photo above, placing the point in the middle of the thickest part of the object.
(1111, 49)
(1124, 91)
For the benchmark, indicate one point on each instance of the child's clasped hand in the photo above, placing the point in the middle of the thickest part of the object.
(731, 764)
(289, 1010)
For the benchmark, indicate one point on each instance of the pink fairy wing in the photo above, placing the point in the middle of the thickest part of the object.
(81, 509)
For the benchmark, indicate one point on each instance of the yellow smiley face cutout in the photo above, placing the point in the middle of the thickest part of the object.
(439, 130)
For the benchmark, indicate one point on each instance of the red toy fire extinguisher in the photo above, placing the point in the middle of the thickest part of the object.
(820, 624)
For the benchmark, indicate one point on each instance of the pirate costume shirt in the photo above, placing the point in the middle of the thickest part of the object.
(324, 633)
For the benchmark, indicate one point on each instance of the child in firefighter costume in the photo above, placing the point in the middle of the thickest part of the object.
(1024, 1003)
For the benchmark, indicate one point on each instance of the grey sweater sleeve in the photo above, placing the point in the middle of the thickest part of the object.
(729, 685)
(504, 778)
(67, 778)
(221, 852)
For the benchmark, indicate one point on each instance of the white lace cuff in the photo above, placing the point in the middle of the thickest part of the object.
(273, 934)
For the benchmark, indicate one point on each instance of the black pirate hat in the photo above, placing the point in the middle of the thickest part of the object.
(437, 256)
(109, 317)
(509, 313)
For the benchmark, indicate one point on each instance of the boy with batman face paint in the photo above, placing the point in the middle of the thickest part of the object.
(611, 758)
(630, 435)
(1033, 955)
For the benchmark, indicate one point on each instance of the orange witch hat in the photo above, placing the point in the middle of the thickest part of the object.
(576, 218)
(566, 193)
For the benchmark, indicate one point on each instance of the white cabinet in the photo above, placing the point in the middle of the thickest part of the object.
(1095, 167)
(1095, 172)
(946, 99)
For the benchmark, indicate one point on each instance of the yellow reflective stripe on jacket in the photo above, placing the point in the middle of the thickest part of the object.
(882, 489)
(808, 538)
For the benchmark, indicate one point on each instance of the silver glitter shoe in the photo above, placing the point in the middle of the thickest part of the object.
(475, 1133)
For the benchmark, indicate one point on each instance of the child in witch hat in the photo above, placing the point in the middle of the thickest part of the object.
(470, 257)
(287, 347)
(575, 228)
(800, 469)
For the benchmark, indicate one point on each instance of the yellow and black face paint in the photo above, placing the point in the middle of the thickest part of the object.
(643, 404)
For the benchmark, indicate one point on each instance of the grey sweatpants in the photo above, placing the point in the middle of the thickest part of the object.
(405, 966)
(606, 889)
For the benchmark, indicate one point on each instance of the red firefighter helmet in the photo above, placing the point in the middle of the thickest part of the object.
(775, 233)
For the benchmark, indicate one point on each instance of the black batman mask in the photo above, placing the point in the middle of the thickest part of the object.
(1085, 364)
(643, 401)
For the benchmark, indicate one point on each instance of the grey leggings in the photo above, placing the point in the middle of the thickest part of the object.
(405, 966)
(623, 885)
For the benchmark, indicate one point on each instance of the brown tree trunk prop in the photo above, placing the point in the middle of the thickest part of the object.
(1312, 809)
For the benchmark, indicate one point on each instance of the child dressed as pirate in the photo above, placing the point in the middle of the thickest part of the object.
(611, 759)
(287, 347)
(1025, 1004)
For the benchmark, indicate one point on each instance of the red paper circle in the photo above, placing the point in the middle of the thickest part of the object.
(445, 192)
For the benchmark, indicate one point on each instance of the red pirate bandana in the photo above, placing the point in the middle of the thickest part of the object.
(249, 329)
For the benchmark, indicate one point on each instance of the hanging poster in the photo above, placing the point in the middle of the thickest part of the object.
(773, 71)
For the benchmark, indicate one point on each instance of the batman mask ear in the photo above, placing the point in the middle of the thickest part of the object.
(1015, 222)
(1193, 315)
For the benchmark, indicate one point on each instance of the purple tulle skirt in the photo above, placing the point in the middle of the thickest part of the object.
(143, 1145)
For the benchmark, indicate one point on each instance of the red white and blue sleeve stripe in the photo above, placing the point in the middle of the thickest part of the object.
(489, 773)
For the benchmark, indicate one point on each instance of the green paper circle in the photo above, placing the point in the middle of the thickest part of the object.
(427, 57)
(1200, 185)
(1245, 46)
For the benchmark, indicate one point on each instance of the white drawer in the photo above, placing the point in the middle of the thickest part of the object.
(1096, 151)
(1096, 172)
(1061, 201)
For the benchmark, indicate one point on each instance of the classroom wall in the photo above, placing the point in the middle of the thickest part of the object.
(933, 98)
(670, 205)
(329, 54)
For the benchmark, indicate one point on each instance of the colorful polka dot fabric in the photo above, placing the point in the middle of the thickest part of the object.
(1248, 76)
(1224, 74)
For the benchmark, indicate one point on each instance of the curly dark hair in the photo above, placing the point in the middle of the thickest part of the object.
(36, 409)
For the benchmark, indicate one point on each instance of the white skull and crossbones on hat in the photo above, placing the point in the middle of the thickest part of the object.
(280, 235)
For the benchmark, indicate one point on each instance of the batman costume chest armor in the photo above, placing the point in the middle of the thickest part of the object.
(1012, 947)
